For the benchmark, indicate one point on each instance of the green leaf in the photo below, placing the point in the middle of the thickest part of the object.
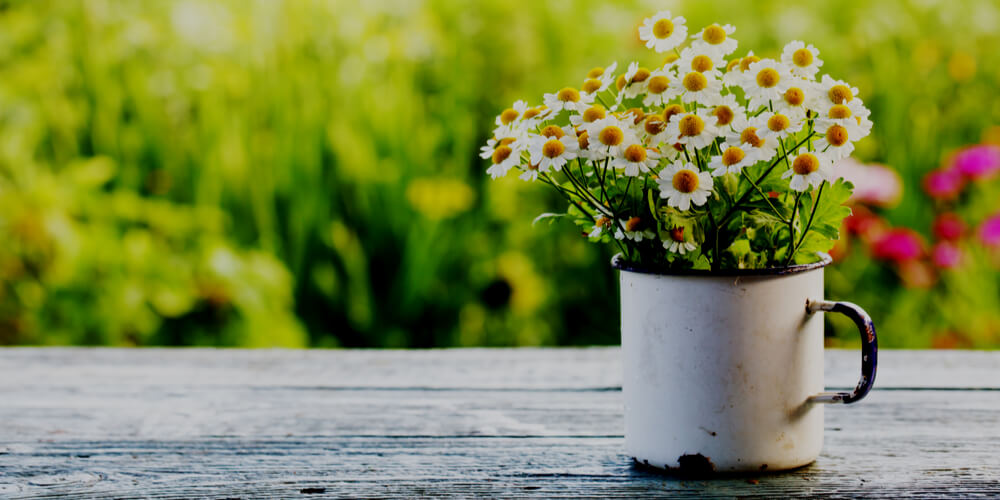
(829, 214)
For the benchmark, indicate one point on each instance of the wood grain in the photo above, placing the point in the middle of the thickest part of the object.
(203, 423)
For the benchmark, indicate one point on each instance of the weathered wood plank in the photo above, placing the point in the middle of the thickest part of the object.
(521, 368)
(248, 424)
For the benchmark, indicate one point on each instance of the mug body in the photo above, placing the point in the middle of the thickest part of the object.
(718, 370)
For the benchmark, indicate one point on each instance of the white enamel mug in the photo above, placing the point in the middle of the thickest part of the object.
(724, 370)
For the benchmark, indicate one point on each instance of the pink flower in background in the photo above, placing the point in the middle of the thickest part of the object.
(978, 162)
(948, 227)
(946, 255)
(863, 222)
(898, 245)
(989, 231)
(874, 184)
(944, 184)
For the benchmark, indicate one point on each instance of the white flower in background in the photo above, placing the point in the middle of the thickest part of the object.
(808, 169)
(803, 60)
(796, 99)
(726, 111)
(747, 131)
(658, 89)
(779, 125)
(511, 114)
(663, 32)
(599, 79)
(608, 136)
(698, 87)
(568, 98)
(736, 71)
(593, 113)
(733, 159)
(681, 184)
(831, 92)
(636, 158)
(677, 243)
(505, 156)
(602, 223)
(553, 151)
(716, 39)
(692, 129)
(703, 61)
(636, 79)
(635, 230)
(765, 82)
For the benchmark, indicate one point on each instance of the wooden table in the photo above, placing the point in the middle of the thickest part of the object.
(204, 423)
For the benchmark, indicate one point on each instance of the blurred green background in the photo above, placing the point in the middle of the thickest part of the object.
(305, 173)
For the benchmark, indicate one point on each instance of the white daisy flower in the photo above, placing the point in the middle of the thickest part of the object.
(836, 142)
(765, 82)
(635, 230)
(511, 114)
(779, 125)
(658, 89)
(504, 157)
(692, 129)
(808, 169)
(853, 115)
(599, 79)
(602, 223)
(747, 132)
(681, 184)
(698, 87)
(797, 98)
(703, 61)
(803, 60)
(726, 111)
(635, 80)
(677, 243)
(636, 158)
(736, 70)
(589, 115)
(716, 39)
(530, 173)
(608, 137)
(568, 98)
(831, 92)
(663, 32)
(733, 159)
(552, 152)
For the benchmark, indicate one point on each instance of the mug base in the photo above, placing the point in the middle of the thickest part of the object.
(701, 467)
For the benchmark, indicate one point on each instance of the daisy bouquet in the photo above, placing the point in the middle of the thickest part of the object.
(709, 161)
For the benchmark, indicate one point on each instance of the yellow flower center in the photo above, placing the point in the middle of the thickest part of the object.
(531, 113)
(691, 125)
(671, 110)
(501, 153)
(654, 124)
(677, 234)
(723, 115)
(805, 163)
(553, 148)
(591, 86)
(663, 28)
(802, 57)
(795, 96)
(836, 136)
(732, 64)
(658, 84)
(671, 57)
(635, 153)
(768, 77)
(508, 115)
(633, 223)
(506, 141)
(747, 61)
(702, 63)
(732, 156)
(637, 115)
(749, 136)
(777, 123)
(839, 111)
(685, 181)
(640, 75)
(840, 93)
(611, 136)
(593, 113)
(568, 94)
(583, 140)
(553, 131)
(714, 34)
(620, 82)
(603, 221)
(695, 81)
(596, 72)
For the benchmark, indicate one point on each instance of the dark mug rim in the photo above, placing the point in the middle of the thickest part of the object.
(618, 262)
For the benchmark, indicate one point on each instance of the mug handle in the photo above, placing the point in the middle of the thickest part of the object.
(869, 350)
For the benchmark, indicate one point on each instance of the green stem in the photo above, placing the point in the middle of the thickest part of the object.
(763, 195)
(808, 223)
(743, 198)
(791, 228)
